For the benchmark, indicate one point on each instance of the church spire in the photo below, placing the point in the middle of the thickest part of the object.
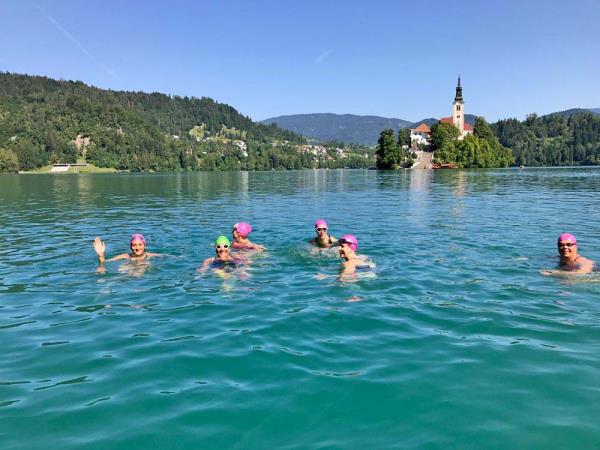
(458, 97)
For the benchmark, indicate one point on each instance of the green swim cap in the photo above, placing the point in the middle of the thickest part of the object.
(222, 240)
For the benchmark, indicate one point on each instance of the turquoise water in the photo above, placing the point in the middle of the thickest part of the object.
(458, 342)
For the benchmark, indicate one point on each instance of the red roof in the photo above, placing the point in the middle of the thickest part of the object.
(423, 128)
(468, 127)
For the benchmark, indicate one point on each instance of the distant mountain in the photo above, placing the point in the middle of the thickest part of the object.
(349, 128)
(570, 112)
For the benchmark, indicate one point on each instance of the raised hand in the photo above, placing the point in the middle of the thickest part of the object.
(99, 247)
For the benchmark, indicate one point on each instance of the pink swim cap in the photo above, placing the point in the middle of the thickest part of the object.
(243, 228)
(567, 237)
(351, 240)
(321, 224)
(137, 237)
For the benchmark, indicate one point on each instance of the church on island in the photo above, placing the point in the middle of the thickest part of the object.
(421, 134)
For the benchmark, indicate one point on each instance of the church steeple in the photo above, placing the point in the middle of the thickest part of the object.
(458, 97)
(458, 113)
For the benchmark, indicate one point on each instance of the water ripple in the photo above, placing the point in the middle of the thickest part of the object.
(457, 337)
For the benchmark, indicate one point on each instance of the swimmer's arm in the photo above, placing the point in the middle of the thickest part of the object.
(586, 266)
(207, 262)
(257, 247)
(239, 257)
(582, 268)
(118, 257)
(348, 272)
(100, 249)
(349, 268)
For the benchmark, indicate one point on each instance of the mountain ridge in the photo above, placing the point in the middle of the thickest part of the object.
(348, 128)
(363, 130)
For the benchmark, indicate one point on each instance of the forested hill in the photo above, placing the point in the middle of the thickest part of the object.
(45, 121)
(570, 112)
(552, 140)
(350, 128)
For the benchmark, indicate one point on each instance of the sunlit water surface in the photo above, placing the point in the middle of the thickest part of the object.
(458, 342)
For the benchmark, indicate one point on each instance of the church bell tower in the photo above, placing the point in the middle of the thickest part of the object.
(458, 109)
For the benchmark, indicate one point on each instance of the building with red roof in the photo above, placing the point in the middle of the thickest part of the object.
(420, 135)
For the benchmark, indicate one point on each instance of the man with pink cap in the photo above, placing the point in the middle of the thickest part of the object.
(323, 239)
(240, 233)
(570, 260)
(137, 244)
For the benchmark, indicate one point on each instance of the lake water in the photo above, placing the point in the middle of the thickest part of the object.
(458, 342)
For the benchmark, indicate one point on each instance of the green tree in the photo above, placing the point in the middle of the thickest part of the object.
(441, 133)
(8, 161)
(403, 137)
(388, 154)
(482, 130)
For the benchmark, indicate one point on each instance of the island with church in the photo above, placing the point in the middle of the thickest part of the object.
(451, 142)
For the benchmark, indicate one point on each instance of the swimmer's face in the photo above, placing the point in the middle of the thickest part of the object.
(236, 235)
(222, 250)
(567, 248)
(321, 231)
(137, 248)
(345, 251)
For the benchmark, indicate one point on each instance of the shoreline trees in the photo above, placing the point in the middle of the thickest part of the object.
(481, 149)
(392, 153)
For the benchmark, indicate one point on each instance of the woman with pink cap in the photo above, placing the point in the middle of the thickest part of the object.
(352, 262)
(137, 244)
(570, 260)
(323, 238)
(240, 233)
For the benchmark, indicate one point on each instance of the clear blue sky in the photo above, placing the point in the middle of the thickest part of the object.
(268, 58)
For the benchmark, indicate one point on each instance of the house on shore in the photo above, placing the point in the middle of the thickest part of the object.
(420, 135)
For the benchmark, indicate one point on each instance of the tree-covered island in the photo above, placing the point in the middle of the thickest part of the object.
(568, 138)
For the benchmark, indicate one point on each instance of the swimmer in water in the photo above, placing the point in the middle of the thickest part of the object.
(137, 243)
(223, 256)
(352, 262)
(240, 234)
(569, 260)
(323, 239)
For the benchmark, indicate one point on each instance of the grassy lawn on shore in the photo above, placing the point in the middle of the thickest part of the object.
(88, 169)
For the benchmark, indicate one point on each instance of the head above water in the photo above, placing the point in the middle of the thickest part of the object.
(349, 239)
(243, 228)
